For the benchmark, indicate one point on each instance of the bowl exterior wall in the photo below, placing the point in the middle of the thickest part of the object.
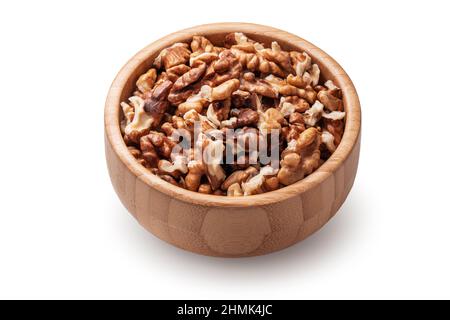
(232, 232)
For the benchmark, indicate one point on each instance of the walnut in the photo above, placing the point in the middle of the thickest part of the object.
(292, 104)
(319, 88)
(137, 154)
(254, 57)
(242, 98)
(141, 121)
(205, 188)
(162, 143)
(238, 177)
(238, 38)
(154, 145)
(244, 117)
(187, 106)
(128, 114)
(168, 129)
(334, 115)
(314, 72)
(270, 120)
(281, 59)
(292, 132)
(271, 184)
(291, 170)
(146, 81)
(235, 190)
(251, 84)
(247, 139)
(175, 55)
(175, 168)
(329, 84)
(178, 97)
(328, 141)
(313, 114)
(218, 111)
(299, 82)
(185, 86)
(296, 118)
(300, 105)
(156, 105)
(149, 153)
(192, 116)
(196, 169)
(255, 185)
(301, 157)
(209, 165)
(336, 128)
(286, 108)
(225, 68)
(198, 58)
(284, 88)
(243, 162)
(289, 90)
(225, 62)
(177, 129)
(301, 62)
(200, 43)
(195, 102)
(295, 128)
(179, 123)
(330, 100)
(170, 180)
(230, 123)
(246, 54)
(224, 90)
(275, 82)
(247, 117)
(173, 73)
(189, 77)
(213, 155)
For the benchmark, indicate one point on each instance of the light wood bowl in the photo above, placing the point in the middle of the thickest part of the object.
(232, 226)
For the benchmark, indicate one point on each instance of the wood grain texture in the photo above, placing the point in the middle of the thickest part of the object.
(232, 226)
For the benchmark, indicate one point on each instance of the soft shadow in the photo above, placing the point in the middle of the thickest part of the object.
(334, 239)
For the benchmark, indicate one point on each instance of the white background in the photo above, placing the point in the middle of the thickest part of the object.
(64, 233)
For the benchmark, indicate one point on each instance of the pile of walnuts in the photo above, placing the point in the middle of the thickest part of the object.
(242, 86)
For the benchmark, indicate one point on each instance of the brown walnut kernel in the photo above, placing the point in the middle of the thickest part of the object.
(146, 81)
(225, 68)
(156, 105)
(154, 145)
(173, 73)
(205, 188)
(196, 170)
(330, 101)
(301, 157)
(250, 83)
(244, 86)
(137, 154)
(141, 123)
(201, 44)
(175, 55)
(235, 190)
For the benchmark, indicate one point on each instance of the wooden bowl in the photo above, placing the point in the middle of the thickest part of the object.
(232, 226)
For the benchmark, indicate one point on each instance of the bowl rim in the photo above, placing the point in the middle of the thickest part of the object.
(341, 79)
